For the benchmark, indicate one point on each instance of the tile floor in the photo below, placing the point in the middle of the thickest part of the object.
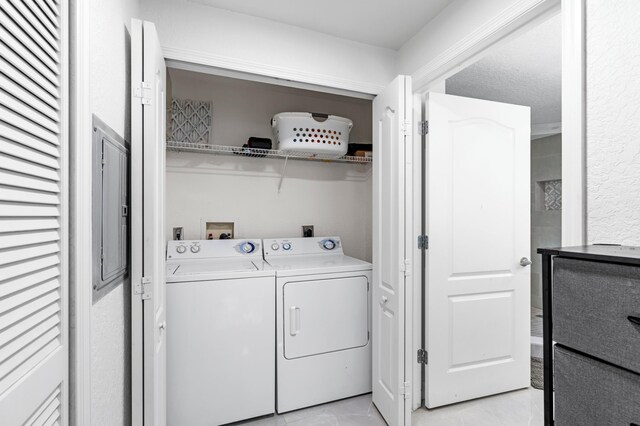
(523, 407)
(517, 408)
(352, 411)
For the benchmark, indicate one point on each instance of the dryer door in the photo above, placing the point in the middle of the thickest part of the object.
(325, 315)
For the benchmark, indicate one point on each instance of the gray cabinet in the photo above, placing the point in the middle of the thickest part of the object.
(591, 392)
(592, 335)
(591, 305)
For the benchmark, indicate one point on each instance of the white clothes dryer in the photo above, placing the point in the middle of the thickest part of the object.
(323, 321)
(220, 332)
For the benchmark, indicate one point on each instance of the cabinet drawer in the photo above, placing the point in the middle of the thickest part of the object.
(590, 392)
(591, 305)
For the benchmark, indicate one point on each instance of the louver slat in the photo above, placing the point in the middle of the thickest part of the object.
(37, 14)
(28, 238)
(27, 281)
(32, 224)
(27, 70)
(43, 51)
(45, 415)
(27, 182)
(27, 126)
(42, 63)
(28, 112)
(34, 24)
(25, 94)
(42, 296)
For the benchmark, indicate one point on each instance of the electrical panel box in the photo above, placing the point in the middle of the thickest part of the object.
(110, 209)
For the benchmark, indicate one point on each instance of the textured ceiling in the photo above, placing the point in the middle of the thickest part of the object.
(386, 24)
(527, 71)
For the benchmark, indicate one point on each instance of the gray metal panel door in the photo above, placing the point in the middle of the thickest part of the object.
(114, 210)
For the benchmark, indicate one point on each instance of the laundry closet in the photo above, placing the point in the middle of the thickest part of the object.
(269, 227)
(246, 195)
(340, 311)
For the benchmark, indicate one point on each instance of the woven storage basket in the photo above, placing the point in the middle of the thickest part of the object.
(312, 133)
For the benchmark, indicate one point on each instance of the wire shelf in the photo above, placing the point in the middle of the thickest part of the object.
(260, 153)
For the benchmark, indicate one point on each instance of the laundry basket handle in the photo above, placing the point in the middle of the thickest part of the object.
(319, 116)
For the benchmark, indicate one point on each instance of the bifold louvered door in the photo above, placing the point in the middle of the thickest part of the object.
(33, 213)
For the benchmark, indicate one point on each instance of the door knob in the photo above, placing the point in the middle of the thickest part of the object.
(525, 262)
(385, 299)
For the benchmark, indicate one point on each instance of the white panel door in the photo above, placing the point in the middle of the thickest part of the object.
(34, 197)
(391, 136)
(148, 115)
(478, 221)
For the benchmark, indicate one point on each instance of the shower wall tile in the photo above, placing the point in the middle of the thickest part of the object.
(553, 195)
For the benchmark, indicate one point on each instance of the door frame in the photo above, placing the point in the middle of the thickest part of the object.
(490, 37)
(80, 171)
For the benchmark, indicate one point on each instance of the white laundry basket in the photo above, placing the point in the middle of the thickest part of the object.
(312, 133)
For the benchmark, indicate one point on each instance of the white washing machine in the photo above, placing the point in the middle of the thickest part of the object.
(220, 332)
(323, 320)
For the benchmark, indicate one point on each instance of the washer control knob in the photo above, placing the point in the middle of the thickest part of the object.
(195, 248)
(275, 246)
(247, 247)
(286, 246)
(181, 249)
(329, 244)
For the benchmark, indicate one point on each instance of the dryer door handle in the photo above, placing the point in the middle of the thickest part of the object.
(294, 320)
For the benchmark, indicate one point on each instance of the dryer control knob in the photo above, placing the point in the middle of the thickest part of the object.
(275, 246)
(329, 244)
(181, 249)
(195, 248)
(247, 247)
(286, 246)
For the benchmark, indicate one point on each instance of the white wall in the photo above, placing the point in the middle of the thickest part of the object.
(110, 316)
(241, 41)
(613, 121)
(335, 198)
(332, 197)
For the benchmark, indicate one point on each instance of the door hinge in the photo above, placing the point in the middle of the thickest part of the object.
(144, 288)
(405, 389)
(423, 128)
(423, 356)
(423, 242)
(143, 92)
(405, 266)
(406, 127)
